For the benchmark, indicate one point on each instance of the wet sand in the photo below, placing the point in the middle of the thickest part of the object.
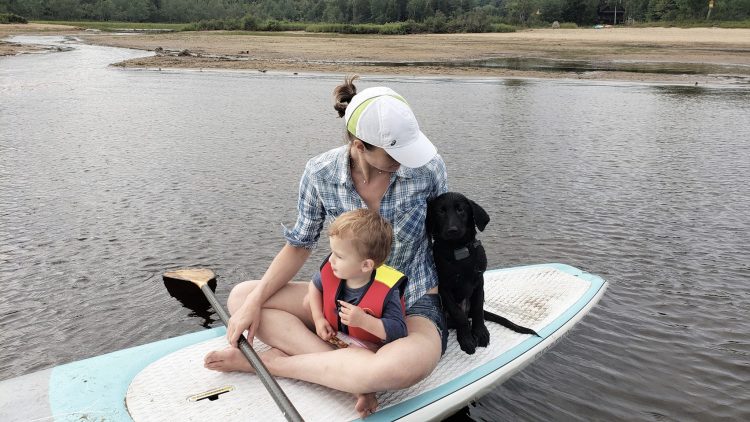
(9, 30)
(446, 54)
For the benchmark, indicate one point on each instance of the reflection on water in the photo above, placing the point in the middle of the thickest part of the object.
(515, 82)
(561, 65)
(111, 176)
(191, 297)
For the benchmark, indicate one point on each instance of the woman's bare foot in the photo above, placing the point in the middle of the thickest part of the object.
(227, 360)
(231, 359)
(366, 405)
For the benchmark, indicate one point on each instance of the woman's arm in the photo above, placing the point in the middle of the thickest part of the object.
(283, 268)
(441, 178)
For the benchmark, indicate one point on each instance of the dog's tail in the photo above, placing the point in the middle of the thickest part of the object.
(505, 322)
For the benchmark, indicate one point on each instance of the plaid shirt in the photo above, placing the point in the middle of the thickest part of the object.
(326, 191)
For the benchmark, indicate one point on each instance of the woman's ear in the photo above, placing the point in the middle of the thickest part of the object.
(358, 145)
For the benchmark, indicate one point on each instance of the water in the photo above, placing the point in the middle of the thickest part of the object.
(732, 72)
(110, 176)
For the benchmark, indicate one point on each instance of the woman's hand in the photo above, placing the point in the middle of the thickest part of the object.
(352, 315)
(324, 329)
(247, 317)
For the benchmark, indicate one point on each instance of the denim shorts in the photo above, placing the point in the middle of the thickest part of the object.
(431, 307)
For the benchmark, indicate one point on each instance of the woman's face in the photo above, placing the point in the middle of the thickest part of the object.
(377, 157)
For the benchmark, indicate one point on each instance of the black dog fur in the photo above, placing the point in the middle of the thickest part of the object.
(452, 220)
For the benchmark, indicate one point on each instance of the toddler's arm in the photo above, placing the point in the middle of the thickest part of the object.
(354, 316)
(322, 327)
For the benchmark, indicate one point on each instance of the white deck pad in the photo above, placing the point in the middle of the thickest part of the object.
(543, 298)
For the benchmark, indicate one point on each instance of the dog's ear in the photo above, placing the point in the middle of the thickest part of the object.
(480, 215)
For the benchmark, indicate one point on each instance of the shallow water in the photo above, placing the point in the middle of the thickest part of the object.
(110, 176)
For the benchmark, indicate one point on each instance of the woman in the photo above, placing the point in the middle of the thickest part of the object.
(388, 165)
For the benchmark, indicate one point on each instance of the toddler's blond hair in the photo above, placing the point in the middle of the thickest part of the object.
(371, 234)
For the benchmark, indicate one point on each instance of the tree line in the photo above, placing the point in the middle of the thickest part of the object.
(516, 12)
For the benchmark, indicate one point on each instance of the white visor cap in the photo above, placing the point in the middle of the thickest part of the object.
(381, 117)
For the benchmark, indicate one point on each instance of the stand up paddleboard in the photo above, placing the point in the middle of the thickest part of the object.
(166, 380)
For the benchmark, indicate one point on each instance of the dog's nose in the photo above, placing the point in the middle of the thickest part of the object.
(452, 231)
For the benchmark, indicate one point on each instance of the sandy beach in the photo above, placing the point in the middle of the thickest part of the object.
(711, 54)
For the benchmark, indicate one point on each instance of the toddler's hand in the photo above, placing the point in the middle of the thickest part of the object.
(324, 329)
(352, 315)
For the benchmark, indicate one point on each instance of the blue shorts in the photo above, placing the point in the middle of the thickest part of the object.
(431, 307)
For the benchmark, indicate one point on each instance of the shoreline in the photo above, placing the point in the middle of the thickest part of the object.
(667, 55)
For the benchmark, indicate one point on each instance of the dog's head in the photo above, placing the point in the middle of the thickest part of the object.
(453, 217)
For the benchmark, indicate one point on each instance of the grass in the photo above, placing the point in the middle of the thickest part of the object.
(272, 26)
(694, 24)
(113, 26)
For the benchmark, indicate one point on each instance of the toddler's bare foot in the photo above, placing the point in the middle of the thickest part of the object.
(366, 405)
(227, 360)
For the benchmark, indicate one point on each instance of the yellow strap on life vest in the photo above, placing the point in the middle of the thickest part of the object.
(388, 275)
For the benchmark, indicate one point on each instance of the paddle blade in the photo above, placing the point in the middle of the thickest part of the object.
(197, 276)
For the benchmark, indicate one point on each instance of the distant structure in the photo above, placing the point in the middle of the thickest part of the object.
(611, 14)
(555, 25)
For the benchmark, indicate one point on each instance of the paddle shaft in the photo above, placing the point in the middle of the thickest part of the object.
(286, 406)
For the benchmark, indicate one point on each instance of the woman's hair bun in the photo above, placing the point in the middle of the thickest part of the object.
(343, 94)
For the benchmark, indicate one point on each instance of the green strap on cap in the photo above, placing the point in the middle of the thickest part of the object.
(352, 125)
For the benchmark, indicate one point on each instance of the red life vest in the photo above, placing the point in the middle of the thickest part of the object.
(386, 279)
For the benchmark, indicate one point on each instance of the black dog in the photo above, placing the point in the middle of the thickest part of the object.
(452, 220)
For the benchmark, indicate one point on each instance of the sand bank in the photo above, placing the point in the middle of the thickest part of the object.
(709, 54)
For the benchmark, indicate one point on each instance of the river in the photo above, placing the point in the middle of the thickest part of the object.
(110, 176)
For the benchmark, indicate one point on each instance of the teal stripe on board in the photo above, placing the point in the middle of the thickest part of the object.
(425, 399)
(95, 388)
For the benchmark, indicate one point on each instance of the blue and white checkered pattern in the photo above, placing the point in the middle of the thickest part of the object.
(327, 190)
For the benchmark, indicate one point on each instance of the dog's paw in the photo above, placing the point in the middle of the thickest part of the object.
(467, 342)
(481, 335)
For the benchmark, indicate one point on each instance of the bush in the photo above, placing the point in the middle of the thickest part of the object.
(344, 28)
(206, 25)
(293, 26)
(12, 18)
(392, 29)
(412, 27)
(473, 21)
(503, 27)
(233, 24)
(437, 24)
(272, 25)
(250, 23)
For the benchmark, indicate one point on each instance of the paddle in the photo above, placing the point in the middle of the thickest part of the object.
(200, 277)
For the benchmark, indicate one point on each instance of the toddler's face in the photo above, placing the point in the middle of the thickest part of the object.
(345, 261)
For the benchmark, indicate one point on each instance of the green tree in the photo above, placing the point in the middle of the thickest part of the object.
(415, 9)
(731, 10)
(377, 11)
(662, 10)
(360, 11)
(580, 11)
